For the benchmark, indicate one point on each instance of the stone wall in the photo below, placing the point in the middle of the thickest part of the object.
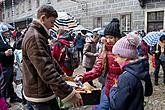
(107, 9)
(88, 10)
(151, 4)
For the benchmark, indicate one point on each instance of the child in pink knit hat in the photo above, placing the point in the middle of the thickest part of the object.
(134, 83)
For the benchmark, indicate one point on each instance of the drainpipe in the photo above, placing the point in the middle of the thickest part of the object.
(4, 8)
(13, 13)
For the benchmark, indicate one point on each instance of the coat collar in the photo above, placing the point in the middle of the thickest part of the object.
(41, 28)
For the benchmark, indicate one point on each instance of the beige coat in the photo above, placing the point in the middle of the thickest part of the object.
(88, 54)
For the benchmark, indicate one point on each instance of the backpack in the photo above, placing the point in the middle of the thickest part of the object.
(71, 60)
(18, 43)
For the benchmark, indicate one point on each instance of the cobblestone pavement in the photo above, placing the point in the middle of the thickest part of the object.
(154, 102)
(157, 100)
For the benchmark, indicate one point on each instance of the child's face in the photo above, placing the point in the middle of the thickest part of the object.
(119, 59)
(110, 39)
(96, 38)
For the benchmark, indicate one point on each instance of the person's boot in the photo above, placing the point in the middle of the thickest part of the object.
(15, 99)
(156, 82)
(8, 105)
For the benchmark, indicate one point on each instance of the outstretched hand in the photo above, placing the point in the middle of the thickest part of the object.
(78, 78)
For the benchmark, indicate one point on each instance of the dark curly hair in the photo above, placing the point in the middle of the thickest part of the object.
(162, 38)
(47, 10)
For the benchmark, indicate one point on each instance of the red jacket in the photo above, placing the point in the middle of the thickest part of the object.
(113, 71)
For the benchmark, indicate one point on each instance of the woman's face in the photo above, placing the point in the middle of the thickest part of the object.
(110, 39)
(96, 38)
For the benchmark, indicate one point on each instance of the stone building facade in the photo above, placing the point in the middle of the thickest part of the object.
(133, 14)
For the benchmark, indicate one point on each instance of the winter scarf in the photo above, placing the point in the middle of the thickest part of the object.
(65, 42)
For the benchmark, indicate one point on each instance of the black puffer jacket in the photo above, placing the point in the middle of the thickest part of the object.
(7, 61)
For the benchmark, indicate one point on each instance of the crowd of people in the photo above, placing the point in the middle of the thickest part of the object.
(39, 60)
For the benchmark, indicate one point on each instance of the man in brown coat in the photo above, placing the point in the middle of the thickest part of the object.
(41, 76)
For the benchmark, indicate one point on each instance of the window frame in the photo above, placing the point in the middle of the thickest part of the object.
(146, 17)
(96, 21)
(37, 3)
(128, 20)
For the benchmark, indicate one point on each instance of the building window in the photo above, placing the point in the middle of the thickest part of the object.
(29, 4)
(17, 10)
(155, 20)
(59, 0)
(3, 16)
(48, 1)
(8, 14)
(23, 8)
(97, 22)
(126, 23)
(37, 3)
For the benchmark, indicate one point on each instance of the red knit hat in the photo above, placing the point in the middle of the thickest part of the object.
(126, 46)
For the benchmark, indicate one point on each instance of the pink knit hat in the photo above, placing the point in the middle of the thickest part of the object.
(126, 46)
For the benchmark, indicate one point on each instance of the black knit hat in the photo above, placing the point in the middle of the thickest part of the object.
(113, 28)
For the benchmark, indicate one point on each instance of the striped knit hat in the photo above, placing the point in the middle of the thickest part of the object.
(126, 46)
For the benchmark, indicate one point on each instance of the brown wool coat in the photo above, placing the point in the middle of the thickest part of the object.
(41, 75)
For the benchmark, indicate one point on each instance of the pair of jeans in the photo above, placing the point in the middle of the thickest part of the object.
(80, 51)
(49, 105)
(2, 83)
(158, 62)
(8, 80)
(104, 101)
